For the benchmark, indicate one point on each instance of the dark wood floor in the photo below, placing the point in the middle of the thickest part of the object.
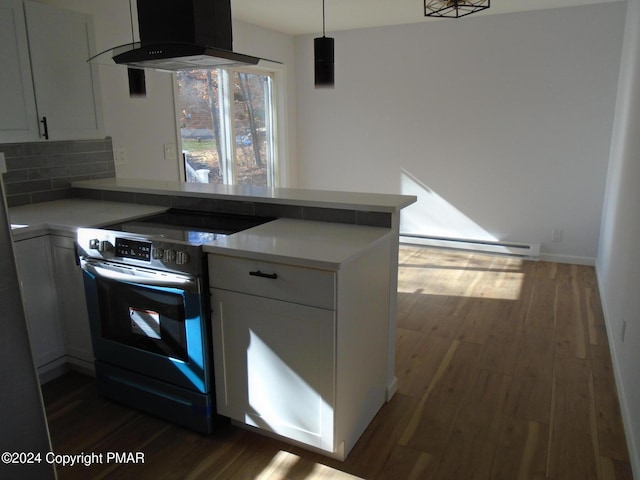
(504, 373)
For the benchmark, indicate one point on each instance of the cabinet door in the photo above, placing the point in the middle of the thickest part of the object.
(275, 366)
(73, 309)
(18, 119)
(66, 85)
(35, 271)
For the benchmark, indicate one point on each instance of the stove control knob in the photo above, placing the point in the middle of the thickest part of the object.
(182, 258)
(105, 246)
(158, 253)
(169, 256)
(94, 244)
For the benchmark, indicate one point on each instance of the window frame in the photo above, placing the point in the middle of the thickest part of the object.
(278, 165)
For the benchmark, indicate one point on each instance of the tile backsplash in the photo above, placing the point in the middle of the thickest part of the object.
(43, 171)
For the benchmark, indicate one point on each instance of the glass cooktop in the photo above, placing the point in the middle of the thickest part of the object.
(190, 226)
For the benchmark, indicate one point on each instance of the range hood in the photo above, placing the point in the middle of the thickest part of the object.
(181, 35)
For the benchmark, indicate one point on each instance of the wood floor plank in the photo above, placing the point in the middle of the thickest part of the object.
(571, 335)
(572, 454)
(611, 435)
(541, 312)
(530, 398)
(510, 318)
(522, 451)
(432, 345)
(615, 469)
(432, 424)
(471, 447)
(419, 370)
(499, 354)
(536, 353)
(408, 464)
(479, 320)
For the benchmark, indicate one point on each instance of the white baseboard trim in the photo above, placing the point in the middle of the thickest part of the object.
(573, 259)
(530, 251)
(634, 453)
(391, 390)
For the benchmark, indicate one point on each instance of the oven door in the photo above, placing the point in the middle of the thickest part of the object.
(149, 322)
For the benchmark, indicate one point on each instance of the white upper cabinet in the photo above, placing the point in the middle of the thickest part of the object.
(18, 117)
(66, 87)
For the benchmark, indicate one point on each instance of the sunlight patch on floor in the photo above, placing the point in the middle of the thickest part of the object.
(285, 464)
(435, 272)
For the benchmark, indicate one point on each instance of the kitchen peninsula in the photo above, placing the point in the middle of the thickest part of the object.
(335, 255)
(370, 209)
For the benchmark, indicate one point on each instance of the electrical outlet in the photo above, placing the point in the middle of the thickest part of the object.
(170, 151)
(623, 331)
(120, 156)
(556, 235)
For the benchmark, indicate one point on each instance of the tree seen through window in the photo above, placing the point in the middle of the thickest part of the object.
(226, 126)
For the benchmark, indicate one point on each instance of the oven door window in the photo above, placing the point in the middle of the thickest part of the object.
(144, 317)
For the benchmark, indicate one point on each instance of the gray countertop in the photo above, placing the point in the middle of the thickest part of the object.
(371, 202)
(65, 216)
(301, 242)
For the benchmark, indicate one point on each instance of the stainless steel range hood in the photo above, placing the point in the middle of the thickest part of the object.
(180, 35)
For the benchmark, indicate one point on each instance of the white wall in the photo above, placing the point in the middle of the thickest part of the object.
(500, 123)
(618, 263)
(141, 127)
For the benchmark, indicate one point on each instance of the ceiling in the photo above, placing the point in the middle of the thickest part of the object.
(299, 17)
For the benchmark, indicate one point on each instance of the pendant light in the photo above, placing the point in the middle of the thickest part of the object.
(454, 8)
(323, 58)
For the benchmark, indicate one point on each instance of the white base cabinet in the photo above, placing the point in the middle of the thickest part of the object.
(301, 353)
(56, 312)
(74, 317)
(36, 274)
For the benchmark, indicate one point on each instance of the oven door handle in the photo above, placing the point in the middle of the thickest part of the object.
(140, 276)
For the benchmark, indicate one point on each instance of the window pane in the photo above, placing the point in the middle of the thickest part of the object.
(226, 115)
(199, 124)
(251, 119)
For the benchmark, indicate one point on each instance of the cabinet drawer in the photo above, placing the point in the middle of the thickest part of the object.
(305, 286)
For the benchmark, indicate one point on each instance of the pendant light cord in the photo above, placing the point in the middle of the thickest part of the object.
(322, 18)
(133, 38)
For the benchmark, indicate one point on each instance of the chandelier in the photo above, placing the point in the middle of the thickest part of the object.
(454, 8)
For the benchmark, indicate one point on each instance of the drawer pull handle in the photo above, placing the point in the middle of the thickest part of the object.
(46, 128)
(258, 273)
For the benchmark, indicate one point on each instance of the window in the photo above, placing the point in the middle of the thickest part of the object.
(227, 126)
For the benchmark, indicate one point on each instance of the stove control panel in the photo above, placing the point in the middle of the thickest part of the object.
(135, 249)
(139, 250)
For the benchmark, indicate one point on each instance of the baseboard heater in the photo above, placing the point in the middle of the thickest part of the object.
(530, 251)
